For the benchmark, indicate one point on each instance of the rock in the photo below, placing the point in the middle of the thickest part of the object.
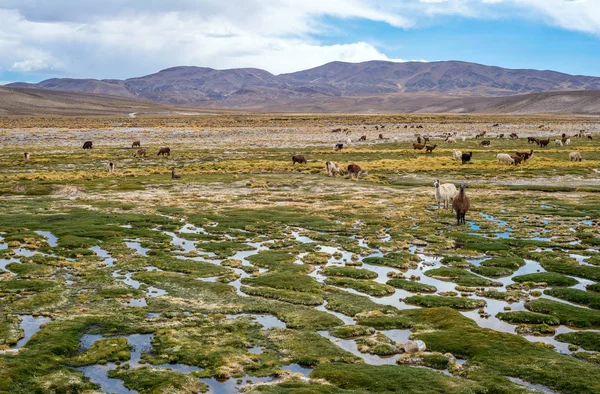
(411, 347)
(450, 358)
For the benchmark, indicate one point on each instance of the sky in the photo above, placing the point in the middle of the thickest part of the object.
(117, 39)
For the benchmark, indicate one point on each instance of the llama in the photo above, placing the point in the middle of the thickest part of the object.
(354, 170)
(504, 158)
(575, 156)
(517, 159)
(173, 175)
(558, 142)
(87, 145)
(110, 167)
(26, 156)
(136, 144)
(461, 205)
(466, 157)
(444, 193)
(298, 159)
(430, 148)
(526, 155)
(164, 151)
(332, 169)
(456, 154)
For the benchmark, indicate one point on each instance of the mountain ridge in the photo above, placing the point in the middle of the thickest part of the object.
(201, 86)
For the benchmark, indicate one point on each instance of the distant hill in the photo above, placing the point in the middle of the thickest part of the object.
(249, 88)
(374, 86)
(40, 102)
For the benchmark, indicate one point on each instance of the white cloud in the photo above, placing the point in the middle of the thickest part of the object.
(124, 38)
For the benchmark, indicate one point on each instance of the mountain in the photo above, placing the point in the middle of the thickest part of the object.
(40, 102)
(242, 88)
(16, 101)
(374, 86)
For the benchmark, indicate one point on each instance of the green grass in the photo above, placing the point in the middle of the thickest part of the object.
(589, 299)
(351, 331)
(394, 260)
(363, 286)
(524, 317)
(587, 340)
(412, 286)
(430, 301)
(307, 348)
(348, 272)
(550, 278)
(492, 272)
(392, 379)
(285, 281)
(567, 314)
(459, 276)
(112, 349)
(272, 259)
(148, 380)
(293, 297)
(571, 267)
(351, 304)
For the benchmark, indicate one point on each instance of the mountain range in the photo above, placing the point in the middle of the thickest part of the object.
(449, 86)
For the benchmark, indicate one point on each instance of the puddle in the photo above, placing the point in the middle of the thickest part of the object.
(5, 262)
(267, 321)
(30, 325)
(52, 240)
(98, 374)
(346, 319)
(181, 243)
(135, 245)
(398, 336)
(110, 262)
(538, 387)
(256, 350)
(140, 343)
(350, 345)
(231, 385)
(137, 302)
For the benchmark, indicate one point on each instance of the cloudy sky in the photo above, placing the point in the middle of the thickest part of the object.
(42, 39)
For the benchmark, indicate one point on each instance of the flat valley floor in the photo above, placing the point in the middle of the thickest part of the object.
(251, 274)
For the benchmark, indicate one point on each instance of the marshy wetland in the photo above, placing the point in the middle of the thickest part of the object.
(253, 274)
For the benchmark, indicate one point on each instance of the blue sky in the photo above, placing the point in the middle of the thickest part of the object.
(42, 39)
(510, 43)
